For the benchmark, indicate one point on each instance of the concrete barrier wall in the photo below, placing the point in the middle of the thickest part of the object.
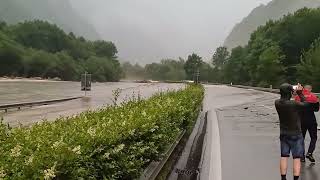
(277, 91)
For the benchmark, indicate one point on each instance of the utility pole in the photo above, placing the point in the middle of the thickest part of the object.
(197, 74)
(86, 83)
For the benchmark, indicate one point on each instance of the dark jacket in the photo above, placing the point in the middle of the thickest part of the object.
(288, 111)
(307, 115)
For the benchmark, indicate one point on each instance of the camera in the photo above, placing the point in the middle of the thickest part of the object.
(295, 87)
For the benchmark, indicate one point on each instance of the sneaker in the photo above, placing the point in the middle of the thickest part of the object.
(310, 157)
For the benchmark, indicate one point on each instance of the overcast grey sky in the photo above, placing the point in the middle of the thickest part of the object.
(150, 30)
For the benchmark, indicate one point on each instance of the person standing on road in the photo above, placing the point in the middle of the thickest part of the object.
(309, 121)
(291, 138)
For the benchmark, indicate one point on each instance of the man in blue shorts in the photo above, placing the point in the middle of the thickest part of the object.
(291, 138)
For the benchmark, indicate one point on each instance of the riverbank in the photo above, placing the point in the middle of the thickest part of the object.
(34, 79)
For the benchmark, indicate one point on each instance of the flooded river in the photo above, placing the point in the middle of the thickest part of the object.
(30, 91)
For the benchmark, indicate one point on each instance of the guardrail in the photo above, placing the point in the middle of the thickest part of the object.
(153, 170)
(18, 106)
(263, 89)
(277, 91)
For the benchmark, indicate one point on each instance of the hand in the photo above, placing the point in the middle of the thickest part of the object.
(300, 87)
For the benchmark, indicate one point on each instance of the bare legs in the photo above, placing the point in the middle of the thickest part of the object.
(296, 167)
(284, 166)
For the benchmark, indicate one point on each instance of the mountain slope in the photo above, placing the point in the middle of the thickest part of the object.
(260, 15)
(59, 12)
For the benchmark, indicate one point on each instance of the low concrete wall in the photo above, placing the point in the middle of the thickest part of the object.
(277, 91)
(210, 166)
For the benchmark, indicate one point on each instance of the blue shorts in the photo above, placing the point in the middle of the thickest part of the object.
(293, 144)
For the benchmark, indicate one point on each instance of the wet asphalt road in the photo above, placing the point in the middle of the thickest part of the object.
(249, 135)
(101, 95)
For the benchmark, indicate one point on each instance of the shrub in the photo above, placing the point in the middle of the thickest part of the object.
(116, 142)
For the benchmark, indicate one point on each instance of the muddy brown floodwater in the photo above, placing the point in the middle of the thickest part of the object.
(101, 95)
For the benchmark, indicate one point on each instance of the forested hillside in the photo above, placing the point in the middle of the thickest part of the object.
(240, 34)
(286, 50)
(40, 49)
(58, 12)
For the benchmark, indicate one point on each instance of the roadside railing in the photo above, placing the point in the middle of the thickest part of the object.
(18, 106)
(277, 91)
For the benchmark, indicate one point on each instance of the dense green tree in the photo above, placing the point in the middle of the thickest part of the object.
(133, 72)
(40, 49)
(156, 71)
(67, 68)
(220, 57)
(192, 65)
(103, 69)
(294, 34)
(10, 59)
(39, 63)
(3, 25)
(176, 69)
(274, 10)
(78, 49)
(39, 35)
(274, 52)
(166, 70)
(235, 70)
(60, 12)
(309, 69)
(269, 69)
(207, 73)
(105, 49)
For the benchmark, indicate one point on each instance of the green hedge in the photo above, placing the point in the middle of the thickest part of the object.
(111, 143)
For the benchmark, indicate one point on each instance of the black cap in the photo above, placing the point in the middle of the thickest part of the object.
(286, 88)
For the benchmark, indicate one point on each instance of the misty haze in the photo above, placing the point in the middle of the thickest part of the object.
(147, 31)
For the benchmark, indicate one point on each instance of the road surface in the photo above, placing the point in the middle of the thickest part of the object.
(248, 137)
(101, 95)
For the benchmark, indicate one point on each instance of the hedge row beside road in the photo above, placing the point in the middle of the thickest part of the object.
(111, 143)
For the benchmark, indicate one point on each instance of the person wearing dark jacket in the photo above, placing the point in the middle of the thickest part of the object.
(309, 121)
(291, 139)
